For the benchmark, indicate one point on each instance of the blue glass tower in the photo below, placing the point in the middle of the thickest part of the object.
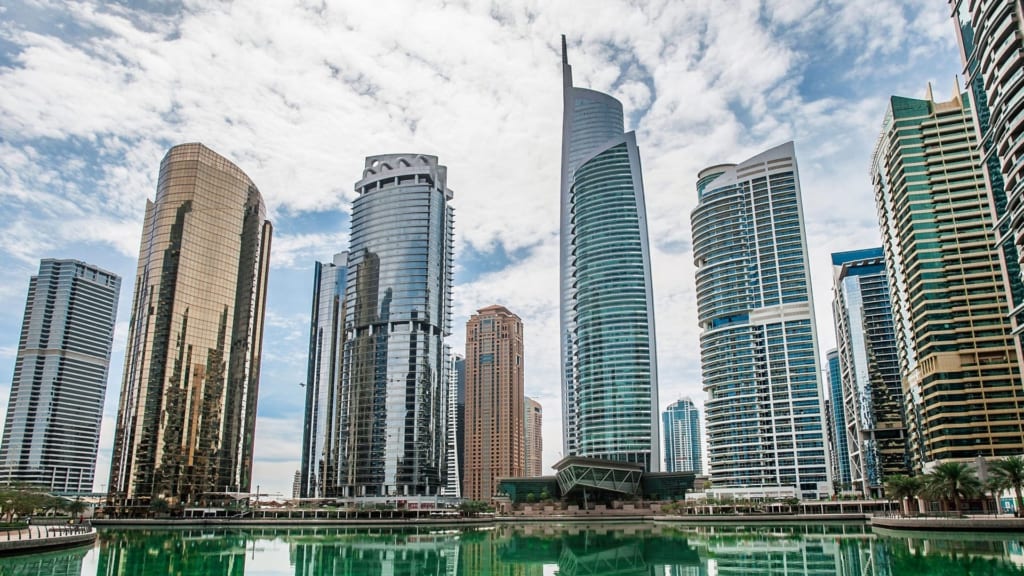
(759, 353)
(609, 365)
(321, 436)
(867, 364)
(681, 425)
(840, 447)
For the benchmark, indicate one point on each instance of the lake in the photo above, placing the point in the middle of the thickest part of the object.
(846, 549)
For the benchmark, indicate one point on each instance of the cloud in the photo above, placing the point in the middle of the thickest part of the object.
(298, 94)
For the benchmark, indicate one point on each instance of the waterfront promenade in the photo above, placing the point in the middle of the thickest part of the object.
(45, 536)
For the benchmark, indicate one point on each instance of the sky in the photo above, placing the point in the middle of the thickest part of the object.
(298, 92)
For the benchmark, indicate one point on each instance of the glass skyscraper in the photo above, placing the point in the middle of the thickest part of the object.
(397, 315)
(681, 424)
(187, 413)
(759, 353)
(321, 436)
(840, 445)
(961, 379)
(867, 365)
(609, 362)
(52, 429)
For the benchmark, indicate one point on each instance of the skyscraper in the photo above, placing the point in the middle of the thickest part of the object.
(187, 413)
(991, 34)
(494, 401)
(60, 377)
(839, 446)
(533, 438)
(759, 349)
(609, 362)
(868, 367)
(321, 434)
(959, 365)
(681, 424)
(397, 314)
(455, 400)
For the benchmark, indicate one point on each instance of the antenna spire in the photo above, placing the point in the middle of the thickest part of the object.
(565, 53)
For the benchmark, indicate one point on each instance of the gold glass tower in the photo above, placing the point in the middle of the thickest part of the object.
(187, 412)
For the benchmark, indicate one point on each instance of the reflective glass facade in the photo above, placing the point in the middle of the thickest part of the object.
(759, 354)
(609, 362)
(958, 361)
(866, 363)
(321, 435)
(187, 412)
(397, 314)
(52, 428)
(837, 422)
(494, 401)
(681, 424)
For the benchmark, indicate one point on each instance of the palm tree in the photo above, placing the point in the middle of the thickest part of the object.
(1010, 471)
(901, 487)
(995, 486)
(952, 481)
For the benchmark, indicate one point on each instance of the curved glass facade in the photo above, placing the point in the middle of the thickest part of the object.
(321, 436)
(765, 408)
(397, 313)
(187, 415)
(609, 380)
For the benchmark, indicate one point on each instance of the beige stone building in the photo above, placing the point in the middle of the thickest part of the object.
(494, 401)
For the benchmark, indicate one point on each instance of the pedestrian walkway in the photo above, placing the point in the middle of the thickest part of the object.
(46, 536)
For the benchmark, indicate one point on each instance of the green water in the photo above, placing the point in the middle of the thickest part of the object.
(527, 550)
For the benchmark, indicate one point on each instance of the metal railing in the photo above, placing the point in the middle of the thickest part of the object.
(42, 528)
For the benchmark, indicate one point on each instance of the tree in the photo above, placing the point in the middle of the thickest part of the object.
(531, 498)
(902, 487)
(1010, 471)
(74, 507)
(952, 482)
(159, 506)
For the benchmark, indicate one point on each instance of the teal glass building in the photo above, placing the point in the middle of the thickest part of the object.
(759, 353)
(609, 363)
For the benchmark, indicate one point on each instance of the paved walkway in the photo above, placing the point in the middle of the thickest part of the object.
(45, 537)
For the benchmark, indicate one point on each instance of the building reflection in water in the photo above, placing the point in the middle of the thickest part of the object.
(62, 563)
(829, 549)
(189, 551)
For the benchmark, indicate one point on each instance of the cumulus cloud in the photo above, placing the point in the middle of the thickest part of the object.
(298, 93)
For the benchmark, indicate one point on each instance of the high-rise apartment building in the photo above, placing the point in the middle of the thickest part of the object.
(455, 400)
(52, 429)
(759, 351)
(867, 365)
(839, 445)
(681, 424)
(494, 401)
(533, 438)
(609, 362)
(187, 413)
(958, 361)
(321, 433)
(991, 34)
(397, 315)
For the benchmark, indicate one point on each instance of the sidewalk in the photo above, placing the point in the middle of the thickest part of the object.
(45, 537)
